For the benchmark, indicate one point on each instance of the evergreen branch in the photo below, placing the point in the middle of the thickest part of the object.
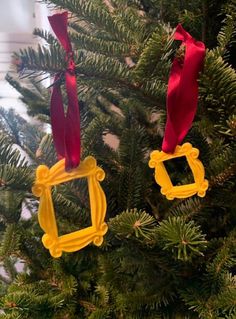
(3, 282)
(223, 261)
(221, 93)
(133, 223)
(195, 300)
(224, 176)
(62, 201)
(46, 152)
(47, 36)
(187, 209)
(222, 167)
(102, 46)
(16, 177)
(121, 4)
(9, 155)
(225, 301)
(95, 12)
(47, 60)
(154, 59)
(80, 26)
(184, 239)
(10, 266)
(132, 147)
(131, 18)
(9, 241)
(10, 316)
(35, 97)
(101, 66)
(227, 34)
(156, 89)
(19, 130)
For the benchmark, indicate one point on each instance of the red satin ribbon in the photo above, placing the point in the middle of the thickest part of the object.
(182, 93)
(65, 127)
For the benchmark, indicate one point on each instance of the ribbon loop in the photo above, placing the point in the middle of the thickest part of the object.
(65, 128)
(181, 34)
(182, 93)
(58, 23)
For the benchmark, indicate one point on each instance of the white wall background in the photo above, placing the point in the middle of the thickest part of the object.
(18, 18)
(16, 15)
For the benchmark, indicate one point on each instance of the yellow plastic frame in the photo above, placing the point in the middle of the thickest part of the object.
(162, 178)
(45, 179)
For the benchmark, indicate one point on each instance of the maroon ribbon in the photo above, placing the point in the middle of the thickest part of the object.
(65, 127)
(182, 93)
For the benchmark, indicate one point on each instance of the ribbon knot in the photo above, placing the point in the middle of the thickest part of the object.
(65, 127)
(70, 62)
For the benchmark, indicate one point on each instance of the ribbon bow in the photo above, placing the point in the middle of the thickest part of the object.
(65, 127)
(182, 93)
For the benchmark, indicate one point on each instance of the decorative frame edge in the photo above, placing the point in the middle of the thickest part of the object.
(162, 178)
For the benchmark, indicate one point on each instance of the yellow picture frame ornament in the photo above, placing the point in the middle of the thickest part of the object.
(162, 178)
(47, 178)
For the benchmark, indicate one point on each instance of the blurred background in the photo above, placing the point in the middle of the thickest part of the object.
(17, 21)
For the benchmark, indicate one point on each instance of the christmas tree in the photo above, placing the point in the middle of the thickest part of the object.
(160, 259)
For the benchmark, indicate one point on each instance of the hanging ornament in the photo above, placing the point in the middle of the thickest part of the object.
(47, 178)
(182, 97)
(66, 136)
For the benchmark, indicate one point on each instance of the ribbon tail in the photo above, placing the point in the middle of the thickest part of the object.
(72, 125)
(182, 94)
(57, 119)
(188, 88)
(170, 139)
